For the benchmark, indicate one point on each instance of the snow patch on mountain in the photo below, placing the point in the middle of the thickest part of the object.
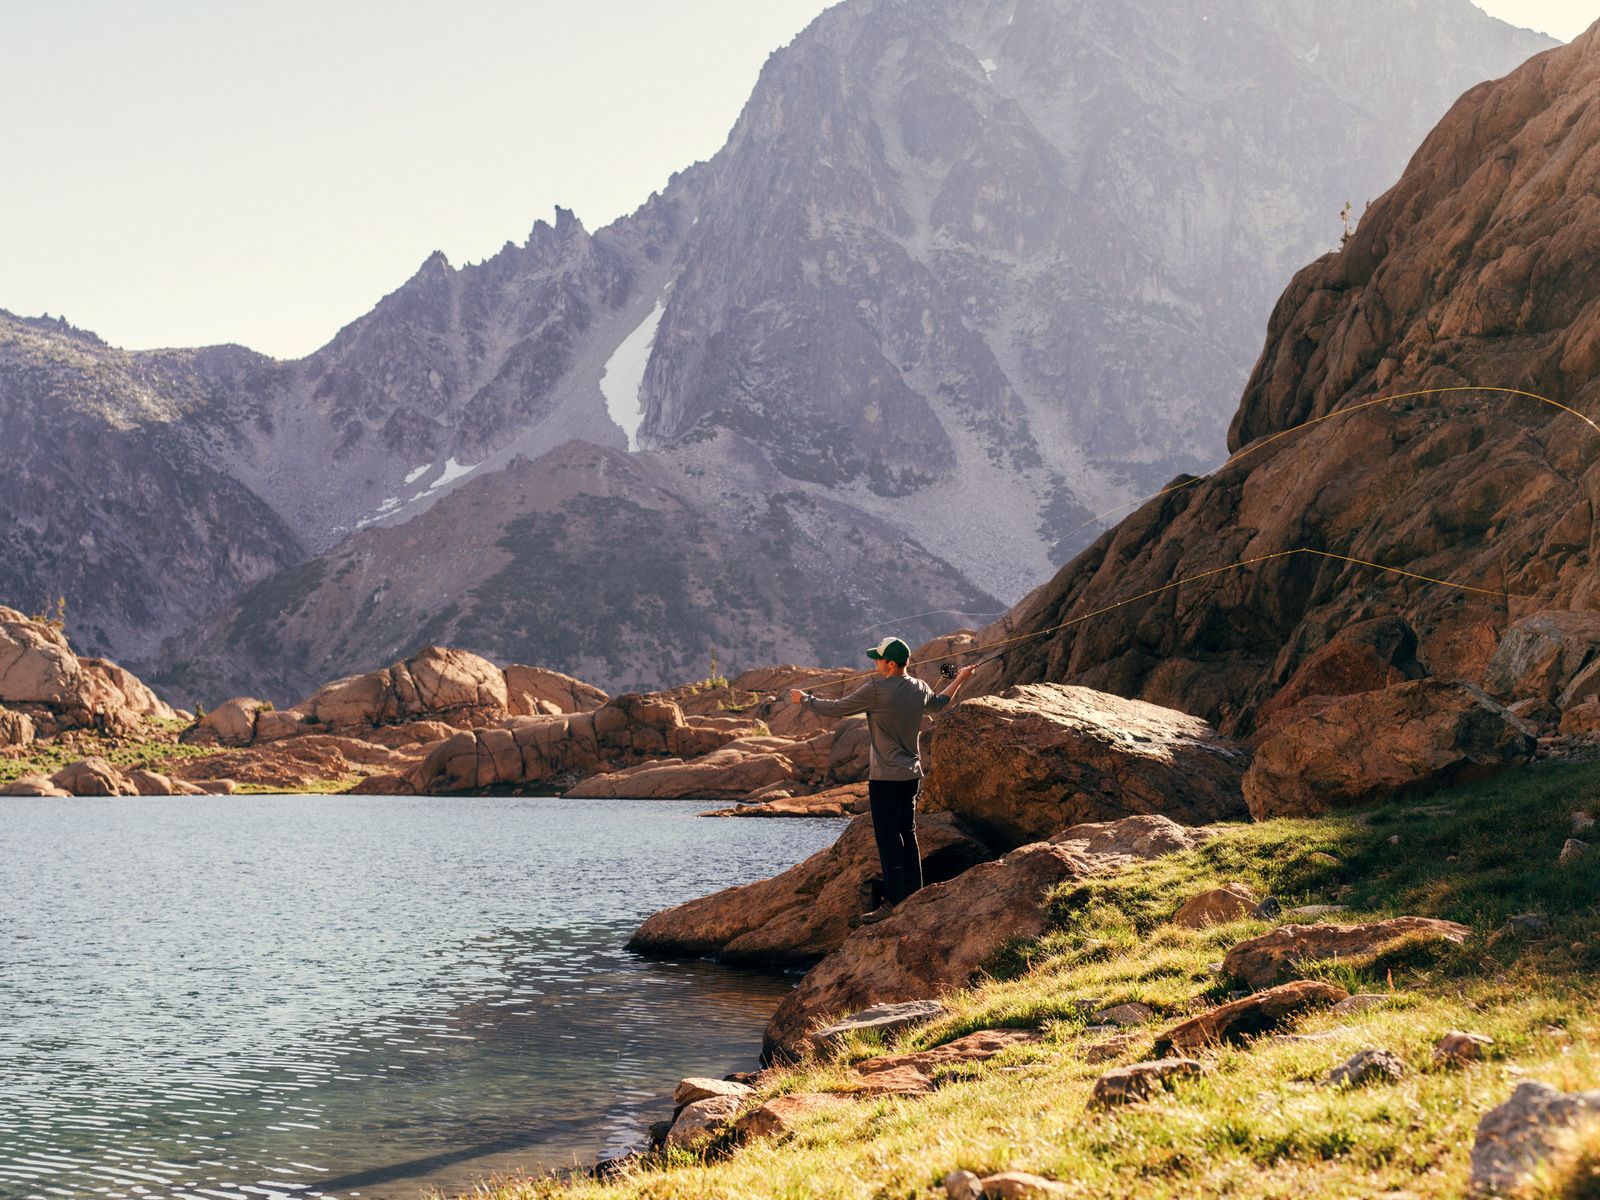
(623, 376)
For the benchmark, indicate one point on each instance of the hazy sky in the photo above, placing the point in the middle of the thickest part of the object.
(186, 172)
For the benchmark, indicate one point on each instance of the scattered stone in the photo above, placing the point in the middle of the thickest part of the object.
(962, 1185)
(1266, 959)
(1269, 909)
(1026, 764)
(1365, 1067)
(658, 1133)
(1260, 1013)
(913, 1074)
(1515, 1138)
(1138, 1082)
(1456, 1048)
(1394, 839)
(1523, 925)
(1309, 912)
(1579, 821)
(1019, 1185)
(1571, 851)
(1113, 1047)
(701, 1121)
(885, 1019)
(608, 1170)
(696, 1088)
(1125, 1015)
(1217, 907)
(780, 1114)
(1358, 749)
(1359, 1003)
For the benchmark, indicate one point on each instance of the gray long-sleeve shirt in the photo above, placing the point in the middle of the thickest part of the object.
(894, 706)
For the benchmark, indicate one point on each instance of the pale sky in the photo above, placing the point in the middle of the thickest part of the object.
(189, 172)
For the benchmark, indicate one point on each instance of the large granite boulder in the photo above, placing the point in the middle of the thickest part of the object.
(937, 939)
(435, 684)
(37, 666)
(231, 723)
(1359, 749)
(94, 777)
(803, 913)
(1542, 655)
(535, 691)
(1028, 763)
(111, 688)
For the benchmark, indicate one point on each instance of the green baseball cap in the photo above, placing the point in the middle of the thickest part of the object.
(893, 649)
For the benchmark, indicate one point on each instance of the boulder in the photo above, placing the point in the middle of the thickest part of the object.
(733, 772)
(1247, 1017)
(1572, 850)
(534, 691)
(435, 684)
(937, 938)
(1541, 655)
(33, 785)
(1125, 1016)
(1265, 960)
(1138, 1082)
(1367, 1066)
(94, 777)
(700, 1122)
(1514, 1139)
(1027, 764)
(16, 729)
(231, 723)
(113, 689)
(882, 1019)
(1020, 1185)
(1232, 902)
(694, 1089)
(803, 913)
(1363, 748)
(37, 666)
(782, 1113)
(1364, 657)
(913, 1074)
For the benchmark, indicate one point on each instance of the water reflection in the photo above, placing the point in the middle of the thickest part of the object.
(357, 996)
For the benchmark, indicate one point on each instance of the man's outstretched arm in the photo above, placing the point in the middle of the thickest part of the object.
(946, 698)
(859, 701)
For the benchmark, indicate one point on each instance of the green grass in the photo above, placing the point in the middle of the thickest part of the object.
(156, 744)
(1260, 1125)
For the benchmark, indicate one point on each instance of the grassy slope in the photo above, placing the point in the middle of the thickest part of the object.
(1260, 1125)
(156, 745)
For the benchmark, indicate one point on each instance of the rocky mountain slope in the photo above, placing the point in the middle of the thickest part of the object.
(972, 271)
(1477, 268)
(598, 560)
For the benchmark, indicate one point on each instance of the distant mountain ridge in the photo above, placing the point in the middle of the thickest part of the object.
(967, 271)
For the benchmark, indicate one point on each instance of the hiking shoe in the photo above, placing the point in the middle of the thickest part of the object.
(883, 912)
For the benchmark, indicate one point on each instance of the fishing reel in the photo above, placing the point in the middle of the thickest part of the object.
(947, 670)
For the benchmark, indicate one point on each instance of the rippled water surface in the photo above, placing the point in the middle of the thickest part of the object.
(353, 996)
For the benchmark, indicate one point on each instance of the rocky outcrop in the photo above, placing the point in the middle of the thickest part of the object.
(33, 785)
(1552, 656)
(936, 939)
(535, 691)
(46, 682)
(316, 763)
(803, 913)
(16, 729)
(1265, 960)
(1475, 269)
(1028, 763)
(1365, 657)
(1367, 747)
(849, 800)
(434, 684)
(231, 723)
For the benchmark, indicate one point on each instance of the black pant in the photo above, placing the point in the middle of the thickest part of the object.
(894, 824)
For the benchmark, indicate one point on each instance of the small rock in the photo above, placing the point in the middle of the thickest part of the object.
(701, 1121)
(1019, 1185)
(658, 1133)
(696, 1088)
(1456, 1048)
(1216, 907)
(1308, 911)
(608, 1170)
(1394, 839)
(1260, 1013)
(1522, 925)
(1358, 1003)
(1571, 851)
(1138, 1082)
(1269, 909)
(1112, 1047)
(1366, 1067)
(1516, 1137)
(782, 1113)
(1579, 821)
(963, 1185)
(1452, 858)
(881, 1018)
(1125, 1015)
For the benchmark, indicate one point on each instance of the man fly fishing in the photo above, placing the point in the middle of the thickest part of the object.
(895, 704)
